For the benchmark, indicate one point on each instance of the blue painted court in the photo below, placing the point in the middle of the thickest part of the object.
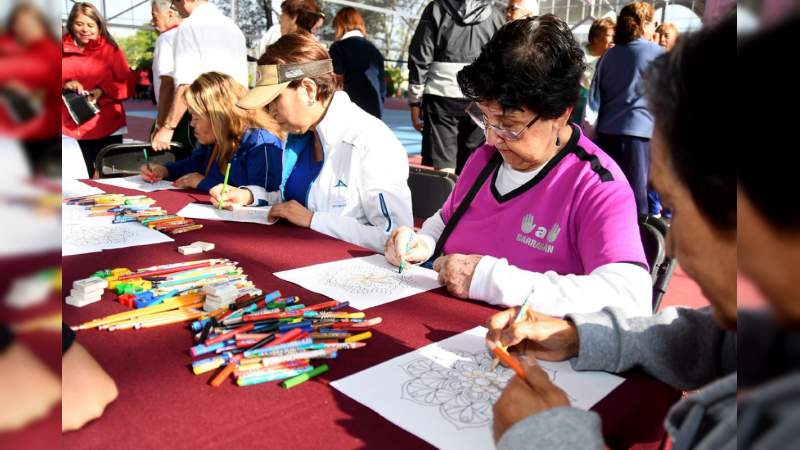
(398, 120)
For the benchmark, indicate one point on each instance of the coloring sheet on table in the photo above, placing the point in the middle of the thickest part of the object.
(89, 237)
(75, 188)
(444, 392)
(80, 214)
(364, 282)
(250, 214)
(136, 182)
(26, 230)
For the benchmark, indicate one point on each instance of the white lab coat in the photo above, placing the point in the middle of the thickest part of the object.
(361, 193)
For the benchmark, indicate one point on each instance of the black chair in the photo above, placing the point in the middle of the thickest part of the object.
(429, 190)
(119, 160)
(653, 231)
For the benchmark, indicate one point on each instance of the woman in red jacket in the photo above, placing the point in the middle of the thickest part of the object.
(93, 65)
(29, 65)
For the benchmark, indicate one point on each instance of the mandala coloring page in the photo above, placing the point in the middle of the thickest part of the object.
(364, 282)
(444, 392)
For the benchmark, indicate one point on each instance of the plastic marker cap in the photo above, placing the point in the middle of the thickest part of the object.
(302, 378)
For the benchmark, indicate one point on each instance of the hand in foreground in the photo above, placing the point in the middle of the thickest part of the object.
(523, 398)
(537, 335)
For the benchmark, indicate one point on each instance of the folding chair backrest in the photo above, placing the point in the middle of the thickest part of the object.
(119, 160)
(429, 190)
(653, 233)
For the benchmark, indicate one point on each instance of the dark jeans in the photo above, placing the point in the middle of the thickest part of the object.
(44, 156)
(448, 140)
(632, 154)
(91, 147)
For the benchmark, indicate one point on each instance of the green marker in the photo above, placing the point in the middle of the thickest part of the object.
(303, 377)
(224, 186)
(147, 161)
(411, 240)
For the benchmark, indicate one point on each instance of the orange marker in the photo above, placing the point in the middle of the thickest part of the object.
(501, 353)
(185, 229)
(225, 372)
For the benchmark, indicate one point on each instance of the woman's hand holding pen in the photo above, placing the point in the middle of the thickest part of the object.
(232, 197)
(156, 172)
(403, 245)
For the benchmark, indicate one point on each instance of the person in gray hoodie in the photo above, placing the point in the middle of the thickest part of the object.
(755, 406)
(449, 36)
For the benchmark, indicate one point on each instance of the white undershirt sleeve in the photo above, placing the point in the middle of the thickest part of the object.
(624, 285)
(431, 230)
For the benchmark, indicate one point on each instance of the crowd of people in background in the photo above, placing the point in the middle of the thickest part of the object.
(449, 35)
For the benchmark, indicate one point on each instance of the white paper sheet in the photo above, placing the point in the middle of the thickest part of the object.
(251, 214)
(364, 282)
(25, 230)
(444, 392)
(136, 182)
(88, 237)
(80, 214)
(75, 188)
(72, 165)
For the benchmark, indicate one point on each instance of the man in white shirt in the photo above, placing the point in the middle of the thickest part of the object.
(206, 41)
(166, 19)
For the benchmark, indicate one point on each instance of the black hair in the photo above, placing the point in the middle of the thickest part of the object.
(687, 90)
(533, 62)
(769, 100)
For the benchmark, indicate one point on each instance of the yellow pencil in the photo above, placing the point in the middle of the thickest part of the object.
(175, 302)
(158, 319)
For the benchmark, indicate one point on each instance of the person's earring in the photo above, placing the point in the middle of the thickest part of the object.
(311, 102)
(558, 141)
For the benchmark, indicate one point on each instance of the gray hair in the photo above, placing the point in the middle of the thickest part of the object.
(163, 5)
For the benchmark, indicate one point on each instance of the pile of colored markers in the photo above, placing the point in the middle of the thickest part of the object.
(134, 208)
(98, 205)
(150, 287)
(263, 338)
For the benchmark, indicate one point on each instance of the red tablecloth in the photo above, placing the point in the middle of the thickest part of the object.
(161, 403)
(44, 433)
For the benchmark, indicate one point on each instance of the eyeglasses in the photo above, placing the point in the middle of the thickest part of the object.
(479, 117)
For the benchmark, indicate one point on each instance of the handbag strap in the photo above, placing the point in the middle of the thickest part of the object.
(465, 202)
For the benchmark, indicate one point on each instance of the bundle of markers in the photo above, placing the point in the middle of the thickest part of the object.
(168, 223)
(146, 289)
(134, 208)
(267, 337)
(173, 310)
(115, 204)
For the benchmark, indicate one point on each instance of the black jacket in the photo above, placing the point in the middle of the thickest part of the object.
(361, 65)
(450, 35)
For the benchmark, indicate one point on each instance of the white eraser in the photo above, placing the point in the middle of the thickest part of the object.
(89, 284)
(92, 295)
(189, 250)
(80, 302)
(206, 246)
(29, 291)
(220, 290)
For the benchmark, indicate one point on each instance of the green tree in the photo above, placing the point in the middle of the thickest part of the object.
(138, 48)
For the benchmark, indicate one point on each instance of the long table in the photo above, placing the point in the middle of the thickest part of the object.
(163, 404)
